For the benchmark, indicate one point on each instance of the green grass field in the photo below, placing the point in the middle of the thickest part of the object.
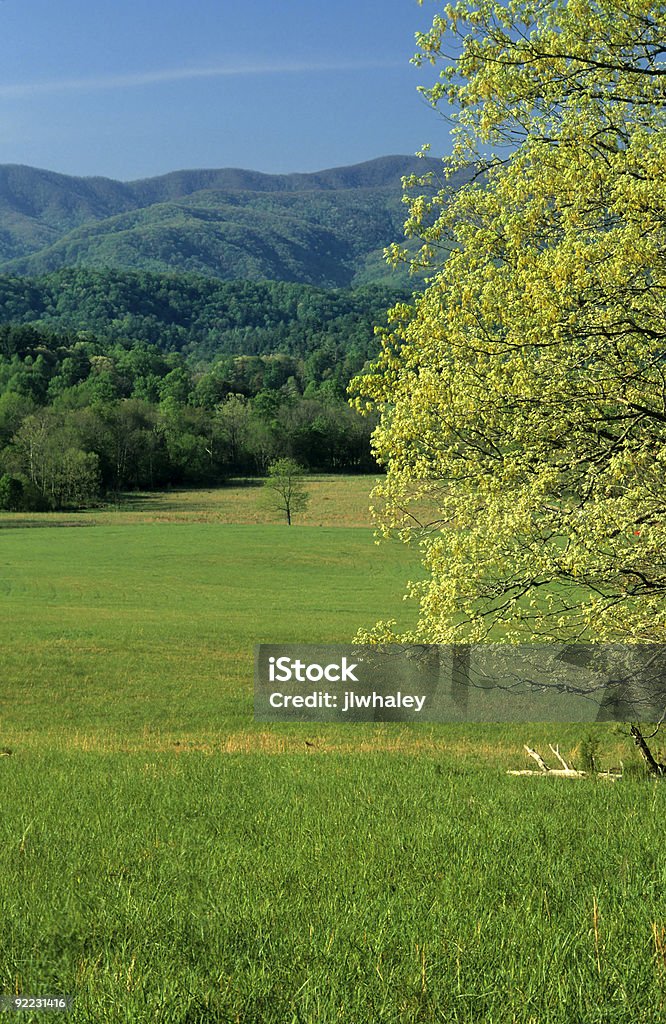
(163, 858)
(116, 635)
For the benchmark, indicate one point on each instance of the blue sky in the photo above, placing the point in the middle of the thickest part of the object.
(132, 88)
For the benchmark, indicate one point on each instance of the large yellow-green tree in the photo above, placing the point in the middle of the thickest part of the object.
(522, 393)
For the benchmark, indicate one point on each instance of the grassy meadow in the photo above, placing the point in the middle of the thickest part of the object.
(163, 858)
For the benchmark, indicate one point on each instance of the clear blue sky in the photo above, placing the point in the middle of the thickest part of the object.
(132, 88)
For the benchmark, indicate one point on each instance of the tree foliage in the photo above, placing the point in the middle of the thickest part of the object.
(284, 490)
(11, 493)
(523, 392)
(205, 318)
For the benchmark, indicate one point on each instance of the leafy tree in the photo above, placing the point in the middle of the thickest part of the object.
(522, 392)
(11, 493)
(74, 478)
(284, 490)
(13, 410)
(233, 418)
(58, 472)
(128, 442)
(177, 384)
(194, 443)
(30, 448)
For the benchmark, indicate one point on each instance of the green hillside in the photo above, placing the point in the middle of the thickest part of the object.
(193, 314)
(327, 228)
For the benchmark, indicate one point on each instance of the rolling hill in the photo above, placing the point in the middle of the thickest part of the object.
(327, 228)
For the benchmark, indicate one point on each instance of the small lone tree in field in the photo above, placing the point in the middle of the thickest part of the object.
(284, 490)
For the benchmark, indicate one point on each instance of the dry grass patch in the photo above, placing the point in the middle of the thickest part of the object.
(334, 501)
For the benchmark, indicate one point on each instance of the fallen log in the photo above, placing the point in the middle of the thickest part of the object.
(566, 771)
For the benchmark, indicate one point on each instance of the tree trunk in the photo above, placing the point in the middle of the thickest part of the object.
(654, 767)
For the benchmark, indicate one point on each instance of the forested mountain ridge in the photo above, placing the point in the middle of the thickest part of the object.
(200, 317)
(327, 228)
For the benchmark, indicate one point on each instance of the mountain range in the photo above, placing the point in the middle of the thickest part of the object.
(327, 228)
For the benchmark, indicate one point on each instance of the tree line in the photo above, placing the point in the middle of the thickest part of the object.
(81, 418)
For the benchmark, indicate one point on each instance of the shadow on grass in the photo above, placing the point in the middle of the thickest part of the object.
(23, 524)
(244, 481)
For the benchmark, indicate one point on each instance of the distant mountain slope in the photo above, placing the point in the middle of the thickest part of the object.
(200, 316)
(327, 228)
(37, 207)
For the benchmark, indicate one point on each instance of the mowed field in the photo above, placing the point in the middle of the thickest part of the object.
(163, 858)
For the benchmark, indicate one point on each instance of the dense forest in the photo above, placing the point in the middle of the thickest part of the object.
(115, 380)
(203, 317)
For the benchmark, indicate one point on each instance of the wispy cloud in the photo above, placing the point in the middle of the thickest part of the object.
(141, 78)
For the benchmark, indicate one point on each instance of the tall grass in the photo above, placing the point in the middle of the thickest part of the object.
(315, 889)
